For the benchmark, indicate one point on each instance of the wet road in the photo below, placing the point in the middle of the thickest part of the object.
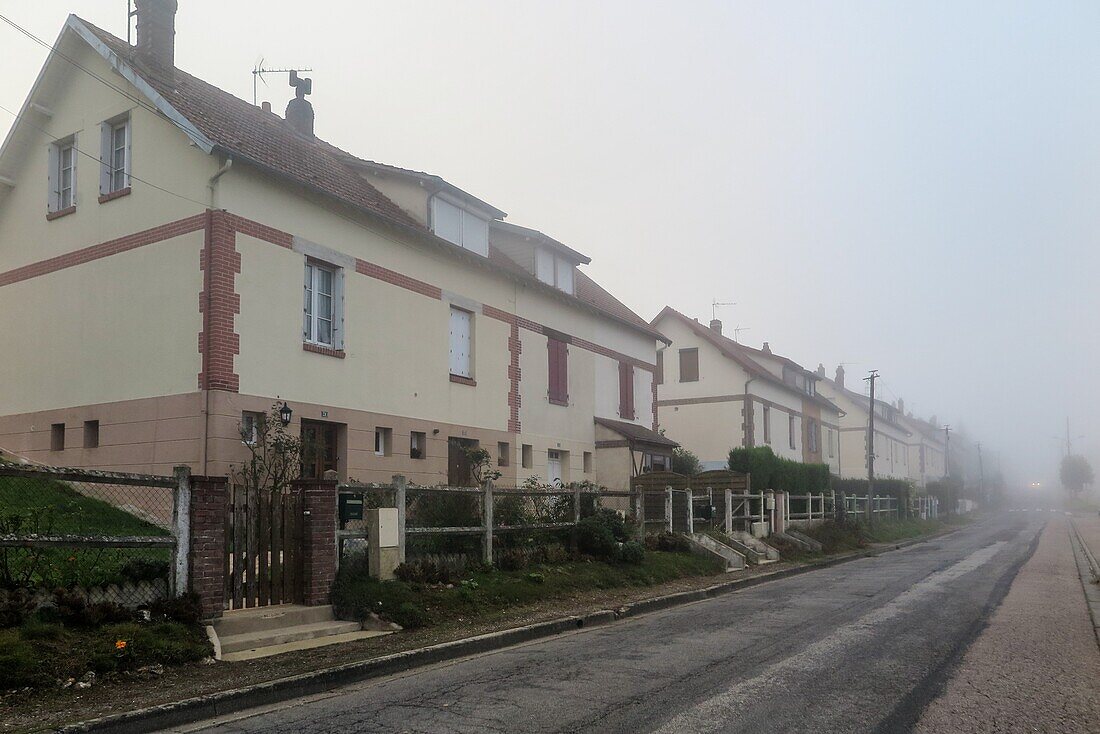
(860, 647)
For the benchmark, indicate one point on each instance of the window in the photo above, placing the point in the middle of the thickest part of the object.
(527, 456)
(383, 441)
(417, 441)
(556, 462)
(811, 435)
(319, 305)
(558, 367)
(91, 434)
(767, 424)
(626, 391)
(57, 437)
(503, 449)
(250, 427)
(587, 458)
(115, 155)
(62, 175)
(832, 442)
(554, 270)
(464, 228)
(790, 431)
(655, 462)
(660, 376)
(461, 342)
(689, 365)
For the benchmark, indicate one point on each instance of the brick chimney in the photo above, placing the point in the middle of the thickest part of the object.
(767, 348)
(901, 406)
(839, 375)
(156, 33)
(299, 112)
(716, 325)
(820, 372)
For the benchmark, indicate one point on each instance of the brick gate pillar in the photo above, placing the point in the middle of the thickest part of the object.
(318, 538)
(209, 507)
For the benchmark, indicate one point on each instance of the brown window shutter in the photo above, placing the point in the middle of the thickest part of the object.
(689, 365)
(557, 362)
(626, 391)
(660, 368)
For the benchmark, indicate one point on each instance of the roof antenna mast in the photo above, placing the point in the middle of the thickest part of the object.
(714, 308)
(130, 13)
(258, 74)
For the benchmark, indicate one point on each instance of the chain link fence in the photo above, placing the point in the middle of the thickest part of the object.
(99, 536)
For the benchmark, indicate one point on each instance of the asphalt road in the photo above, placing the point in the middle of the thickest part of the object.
(860, 647)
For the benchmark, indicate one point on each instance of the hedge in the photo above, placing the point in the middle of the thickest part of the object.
(771, 472)
(899, 489)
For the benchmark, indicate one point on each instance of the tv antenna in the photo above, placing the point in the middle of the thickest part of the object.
(714, 308)
(738, 329)
(258, 74)
(130, 13)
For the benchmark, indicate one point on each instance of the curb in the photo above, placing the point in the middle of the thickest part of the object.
(222, 703)
(1088, 569)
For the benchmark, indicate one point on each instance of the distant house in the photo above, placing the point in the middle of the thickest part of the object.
(892, 455)
(927, 457)
(174, 260)
(714, 394)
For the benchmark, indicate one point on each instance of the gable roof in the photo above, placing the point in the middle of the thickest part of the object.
(217, 121)
(863, 402)
(742, 355)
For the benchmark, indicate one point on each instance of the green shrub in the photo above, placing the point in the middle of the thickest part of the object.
(15, 607)
(595, 538)
(668, 542)
(632, 552)
(425, 571)
(410, 616)
(144, 569)
(536, 578)
(185, 608)
(73, 609)
(768, 471)
(513, 559)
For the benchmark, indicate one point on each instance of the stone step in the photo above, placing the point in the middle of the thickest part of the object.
(734, 560)
(245, 621)
(285, 635)
(263, 652)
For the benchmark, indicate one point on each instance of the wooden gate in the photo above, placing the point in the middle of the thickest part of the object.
(263, 547)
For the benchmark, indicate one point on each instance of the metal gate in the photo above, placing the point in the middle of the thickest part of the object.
(263, 547)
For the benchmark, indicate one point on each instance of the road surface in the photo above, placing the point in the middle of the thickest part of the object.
(860, 647)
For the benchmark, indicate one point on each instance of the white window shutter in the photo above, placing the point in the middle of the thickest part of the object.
(565, 275)
(129, 157)
(460, 343)
(447, 221)
(475, 234)
(104, 159)
(52, 182)
(544, 266)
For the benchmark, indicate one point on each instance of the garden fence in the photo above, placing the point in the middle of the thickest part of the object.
(104, 536)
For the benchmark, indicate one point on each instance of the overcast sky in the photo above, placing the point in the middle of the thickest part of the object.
(910, 187)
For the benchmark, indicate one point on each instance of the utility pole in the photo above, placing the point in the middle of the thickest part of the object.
(981, 474)
(871, 377)
(947, 452)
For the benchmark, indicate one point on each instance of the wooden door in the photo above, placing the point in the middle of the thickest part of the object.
(263, 547)
(459, 472)
(319, 449)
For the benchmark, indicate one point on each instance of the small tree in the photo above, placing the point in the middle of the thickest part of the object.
(275, 455)
(685, 462)
(1075, 473)
(481, 466)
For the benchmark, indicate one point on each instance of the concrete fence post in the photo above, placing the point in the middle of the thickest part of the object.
(577, 505)
(639, 513)
(399, 488)
(729, 511)
(690, 511)
(668, 509)
(487, 523)
(181, 529)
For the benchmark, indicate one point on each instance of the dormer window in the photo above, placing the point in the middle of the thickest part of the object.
(459, 225)
(554, 270)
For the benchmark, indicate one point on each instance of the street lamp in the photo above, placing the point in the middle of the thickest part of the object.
(285, 414)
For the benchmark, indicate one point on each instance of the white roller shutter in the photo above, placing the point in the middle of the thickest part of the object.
(460, 342)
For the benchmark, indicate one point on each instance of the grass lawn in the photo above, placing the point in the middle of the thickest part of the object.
(44, 506)
(416, 605)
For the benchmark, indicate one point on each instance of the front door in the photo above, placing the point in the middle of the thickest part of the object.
(318, 449)
(553, 467)
(459, 473)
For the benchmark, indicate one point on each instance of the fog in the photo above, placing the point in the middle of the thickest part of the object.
(907, 187)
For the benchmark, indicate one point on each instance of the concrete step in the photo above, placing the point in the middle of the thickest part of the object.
(756, 544)
(245, 621)
(702, 542)
(285, 635)
(752, 555)
(263, 652)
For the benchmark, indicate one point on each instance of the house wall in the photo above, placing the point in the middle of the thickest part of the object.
(891, 443)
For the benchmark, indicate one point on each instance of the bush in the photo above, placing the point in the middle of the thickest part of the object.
(186, 608)
(668, 542)
(144, 569)
(425, 571)
(15, 606)
(71, 608)
(595, 538)
(768, 471)
(410, 616)
(632, 552)
(513, 559)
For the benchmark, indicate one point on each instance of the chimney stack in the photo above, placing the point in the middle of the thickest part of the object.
(820, 370)
(299, 112)
(901, 406)
(766, 349)
(716, 325)
(156, 33)
(265, 106)
(839, 375)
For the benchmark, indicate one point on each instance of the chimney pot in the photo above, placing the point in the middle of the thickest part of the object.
(820, 370)
(265, 106)
(156, 33)
(766, 349)
(716, 325)
(839, 375)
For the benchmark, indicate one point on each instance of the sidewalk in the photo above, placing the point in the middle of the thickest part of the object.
(1036, 667)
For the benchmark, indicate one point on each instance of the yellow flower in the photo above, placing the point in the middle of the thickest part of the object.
(120, 644)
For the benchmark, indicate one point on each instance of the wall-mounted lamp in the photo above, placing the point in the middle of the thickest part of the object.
(285, 413)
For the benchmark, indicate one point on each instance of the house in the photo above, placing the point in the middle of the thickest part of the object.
(892, 438)
(927, 458)
(175, 260)
(714, 394)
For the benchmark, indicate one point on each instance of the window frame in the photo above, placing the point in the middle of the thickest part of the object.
(767, 413)
(417, 443)
(109, 170)
(557, 356)
(627, 408)
(465, 231)
(791, 432)
(56, 201)
(309, 307)
(451, 366)
(687, 352)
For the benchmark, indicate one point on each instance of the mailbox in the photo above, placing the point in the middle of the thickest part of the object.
(351, 507)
